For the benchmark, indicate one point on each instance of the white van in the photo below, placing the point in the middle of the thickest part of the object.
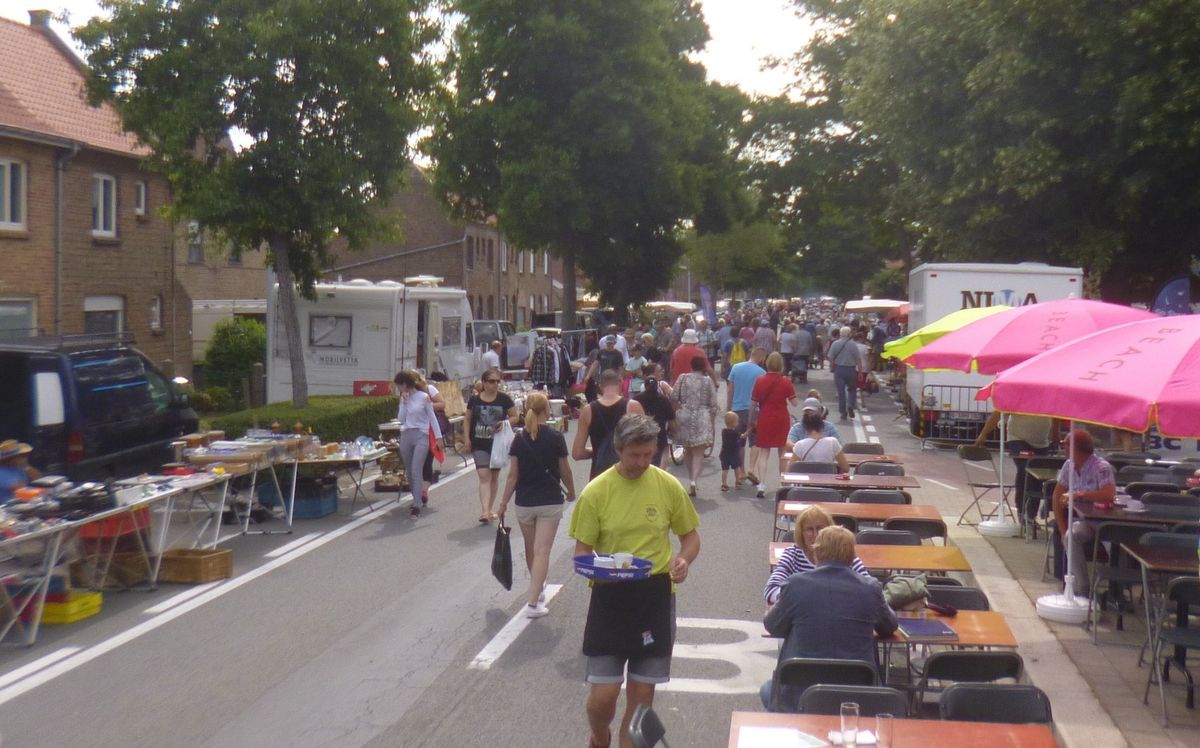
(362, 333)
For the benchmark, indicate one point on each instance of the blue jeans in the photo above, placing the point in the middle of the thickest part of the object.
(845, 379)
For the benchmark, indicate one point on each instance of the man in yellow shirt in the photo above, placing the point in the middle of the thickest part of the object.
(632, 507)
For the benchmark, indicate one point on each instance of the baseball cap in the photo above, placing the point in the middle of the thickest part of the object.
(814, 404)
(610, 339)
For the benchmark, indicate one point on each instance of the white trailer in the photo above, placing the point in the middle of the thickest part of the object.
(358, 334)
(941, 404)
(206, 313)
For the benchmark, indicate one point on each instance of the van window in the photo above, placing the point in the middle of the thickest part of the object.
(48, 394)
(14, 405)
(113, 386)
(451, 332)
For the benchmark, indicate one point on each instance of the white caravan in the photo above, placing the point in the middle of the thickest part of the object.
(206, 313)
(363, 332)
(941, 404)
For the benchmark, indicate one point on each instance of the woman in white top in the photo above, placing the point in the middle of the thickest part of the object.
(417, 419)
(816, 447)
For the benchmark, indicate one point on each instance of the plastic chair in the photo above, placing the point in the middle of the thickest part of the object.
(1119, 570)
(1181, 472)
(813, 467)
(926, 529)
(936, 581)
(863, 448)
(1168, 498)
(1143, 474)
(887, 537)
(1187, 528)
(1119, 460)
(1140, 488)
(961, 598)
(875, 496)
(825, 698)
(646, 729)
(850, 523)
(1168, 540)
(979, 467)
(784, 524)
(970, 666)
(796, 674)
(985, 702)
(1184, 592)
(878, 468)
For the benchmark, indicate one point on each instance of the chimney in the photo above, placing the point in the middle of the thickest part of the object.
(40, 18)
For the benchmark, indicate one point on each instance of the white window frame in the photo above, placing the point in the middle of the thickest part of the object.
(545, 263)
(107, 304)
(30, 304)
(194, 239)
(156, 312)
(139, 199)
(6, 196)
(503, 256)
(532, 261)
(521, 262)
(104, 217)
(545, 303)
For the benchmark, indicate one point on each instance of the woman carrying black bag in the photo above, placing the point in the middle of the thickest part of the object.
(538, 470)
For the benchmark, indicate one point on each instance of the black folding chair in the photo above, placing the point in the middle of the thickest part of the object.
(825, 698)
(978, 468)
(926, 529)
(1173, 634)
(875, 496)
(887, 537)
(783, 523)
(1140, 488)
(1169, 498)
(972, 666)
(796, 674)
(960, 598)
(646, 729)
(878, 468)
(863, 448)
(986, 702)
(1144, 474)
(1119, 571)
(850, 523)
(813, 467)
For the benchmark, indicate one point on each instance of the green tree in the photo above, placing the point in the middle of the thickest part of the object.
(587, 130)
(237, 345)
(748, 256)
(325, 94)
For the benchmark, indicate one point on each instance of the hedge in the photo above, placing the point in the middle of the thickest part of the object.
(334, 418)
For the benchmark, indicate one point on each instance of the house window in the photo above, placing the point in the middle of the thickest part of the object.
(104, 206)
(235, 259)
(470, 252)
(545, 303)
(503, 307)
(491, 251)
(156, 314)
(12, 194)
(532, 306)
(532, 259)
(520, 262)
(139, 199)
(103, 315)
(503, 257)
(18, 318)
(195, 243)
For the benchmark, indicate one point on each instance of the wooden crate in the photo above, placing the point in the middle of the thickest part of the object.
(196, 565)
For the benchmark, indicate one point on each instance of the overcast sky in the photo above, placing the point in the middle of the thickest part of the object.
(743, 33)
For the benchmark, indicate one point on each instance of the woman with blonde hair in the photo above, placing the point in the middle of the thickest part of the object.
(798, 558)
(769, 418)
(537, 470)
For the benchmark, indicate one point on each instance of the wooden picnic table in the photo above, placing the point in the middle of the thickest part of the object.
(857, 458)
(848, 482)
(930, 558)
(863, 512)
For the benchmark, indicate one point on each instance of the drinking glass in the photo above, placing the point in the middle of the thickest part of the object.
(849, 724)
(883, 730)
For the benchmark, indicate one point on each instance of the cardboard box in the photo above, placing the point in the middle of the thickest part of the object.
(196, 565)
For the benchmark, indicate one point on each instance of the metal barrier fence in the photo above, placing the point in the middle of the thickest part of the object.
(950, 414)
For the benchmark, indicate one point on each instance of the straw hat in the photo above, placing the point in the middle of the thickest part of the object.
(10, 448)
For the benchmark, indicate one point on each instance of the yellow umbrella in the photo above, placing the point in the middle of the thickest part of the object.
(906, 346)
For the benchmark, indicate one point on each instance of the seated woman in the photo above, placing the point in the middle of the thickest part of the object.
(798, 558)
(816, 446)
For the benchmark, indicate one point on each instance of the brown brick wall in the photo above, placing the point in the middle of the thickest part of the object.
(135, 266)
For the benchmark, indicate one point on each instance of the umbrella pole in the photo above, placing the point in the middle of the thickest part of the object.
(999, 525)
(1066, 608)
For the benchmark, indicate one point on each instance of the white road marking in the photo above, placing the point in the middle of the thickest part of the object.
(283, 550)
(943, 485)
(80, 658)
(870, 428)
(752, 655)
(507, 635)
(184, 596)
(38, 664)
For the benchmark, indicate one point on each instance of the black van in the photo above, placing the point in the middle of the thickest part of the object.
(91, 408)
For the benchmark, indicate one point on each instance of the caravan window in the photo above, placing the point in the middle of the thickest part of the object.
(329, 331)
(451, 332)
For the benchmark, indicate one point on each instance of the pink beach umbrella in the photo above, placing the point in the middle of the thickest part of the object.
(1131, 377)
(1000, 341)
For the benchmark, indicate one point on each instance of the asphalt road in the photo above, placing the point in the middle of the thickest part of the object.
(369, 633)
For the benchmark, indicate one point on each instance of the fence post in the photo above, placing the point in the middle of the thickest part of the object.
(258, 386)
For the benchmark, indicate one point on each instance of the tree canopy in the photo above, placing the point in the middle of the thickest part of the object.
(1056, 130)
(587, 130)
(325, 94)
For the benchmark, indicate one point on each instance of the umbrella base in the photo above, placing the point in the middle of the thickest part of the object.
(1002, 527)
(1063, 608)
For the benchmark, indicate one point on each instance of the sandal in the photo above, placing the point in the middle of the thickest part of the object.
(492, 517)
(752, 478)
(483, 519)
(724, 488)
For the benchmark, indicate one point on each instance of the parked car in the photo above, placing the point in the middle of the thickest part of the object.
(90, 407)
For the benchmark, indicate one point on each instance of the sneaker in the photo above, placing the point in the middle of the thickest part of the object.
(536, 611)
(762, 490)
(415, 511)
(692, 490)
(852, 412)
(542, 596)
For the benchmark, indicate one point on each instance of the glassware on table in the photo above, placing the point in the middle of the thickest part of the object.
(849, 724)
(884, 724)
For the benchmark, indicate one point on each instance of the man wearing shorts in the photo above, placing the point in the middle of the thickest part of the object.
(632, 509)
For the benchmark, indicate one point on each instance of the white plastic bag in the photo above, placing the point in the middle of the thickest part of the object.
(501, 442)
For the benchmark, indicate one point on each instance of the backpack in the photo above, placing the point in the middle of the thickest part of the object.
(738, 353)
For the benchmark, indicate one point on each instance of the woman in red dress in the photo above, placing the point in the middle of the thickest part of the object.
(769, 418)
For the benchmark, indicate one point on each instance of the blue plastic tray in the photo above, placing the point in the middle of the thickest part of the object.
(640, 570)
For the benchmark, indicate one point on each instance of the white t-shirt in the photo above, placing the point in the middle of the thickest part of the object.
(491, 360)
(825, 449)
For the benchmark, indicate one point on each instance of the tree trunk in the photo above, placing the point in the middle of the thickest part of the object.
(568, 290)
(291, 325)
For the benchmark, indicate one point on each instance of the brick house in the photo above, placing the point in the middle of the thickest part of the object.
(85, 247)
(501, 281)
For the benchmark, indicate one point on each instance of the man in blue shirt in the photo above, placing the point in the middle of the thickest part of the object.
(737, 396)
(15, 471)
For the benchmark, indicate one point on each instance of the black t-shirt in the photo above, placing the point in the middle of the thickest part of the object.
(660, 409)
(537, 467)
(610, 360)
(653, 355)
(484, 417)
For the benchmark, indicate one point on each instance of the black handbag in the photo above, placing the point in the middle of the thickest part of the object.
(502, 567)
